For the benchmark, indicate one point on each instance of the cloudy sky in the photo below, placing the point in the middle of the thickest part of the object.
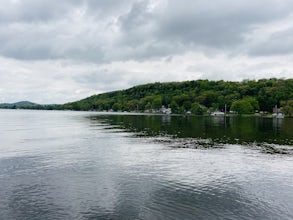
(60, 51)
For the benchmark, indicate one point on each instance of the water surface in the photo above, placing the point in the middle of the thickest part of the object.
(80, 165)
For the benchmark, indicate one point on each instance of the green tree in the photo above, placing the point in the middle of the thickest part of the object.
(207, 98)
(157, 103)
(174, 107)
(196, 109)
(116, 106)
(253, 102)
(180, 99)
(186, 105)
(287, 108)
(242, 107)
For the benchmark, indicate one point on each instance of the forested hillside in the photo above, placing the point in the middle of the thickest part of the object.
(195, 96)
(198, 97)
(22, 104)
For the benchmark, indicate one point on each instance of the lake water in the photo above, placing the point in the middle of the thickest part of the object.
(81, 165)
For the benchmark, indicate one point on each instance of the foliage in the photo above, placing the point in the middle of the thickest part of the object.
(196, 109)
(261, 95)
(242, 107)
(157, 103)
(246, 105)
(288, 108)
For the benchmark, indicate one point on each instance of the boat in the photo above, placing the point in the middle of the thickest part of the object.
(217, 113)
(277, 113)
(279, 116)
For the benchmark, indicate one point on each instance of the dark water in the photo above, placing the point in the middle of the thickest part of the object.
(74, 165)
(190, 131)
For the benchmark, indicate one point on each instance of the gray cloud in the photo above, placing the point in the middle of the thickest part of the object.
(107, 8)
(101, 79)
(198, 25)
(137, 18)
(58, 51)
(41, 30)
(106, 31)
(278, 43)
(46, 11)
(34, 10)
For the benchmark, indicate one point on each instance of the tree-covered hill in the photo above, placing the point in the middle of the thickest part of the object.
(195, 96)
(198, 97)
(21, 104)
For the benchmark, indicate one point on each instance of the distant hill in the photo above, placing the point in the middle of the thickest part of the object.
(197, 97)
(25, 103)
(21, 104)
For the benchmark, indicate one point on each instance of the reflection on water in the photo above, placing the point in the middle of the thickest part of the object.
(73, 165)
(277, 125)
(214, 130)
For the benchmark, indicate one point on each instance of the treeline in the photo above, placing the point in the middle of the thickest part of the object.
(197, 96)
(34, 107)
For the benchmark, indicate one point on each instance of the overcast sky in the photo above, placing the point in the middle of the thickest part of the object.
(60, 51)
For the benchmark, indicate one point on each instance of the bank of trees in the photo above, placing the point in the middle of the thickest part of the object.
(196, 96)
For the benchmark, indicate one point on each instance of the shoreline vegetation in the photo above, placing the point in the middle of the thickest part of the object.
(264, 98)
